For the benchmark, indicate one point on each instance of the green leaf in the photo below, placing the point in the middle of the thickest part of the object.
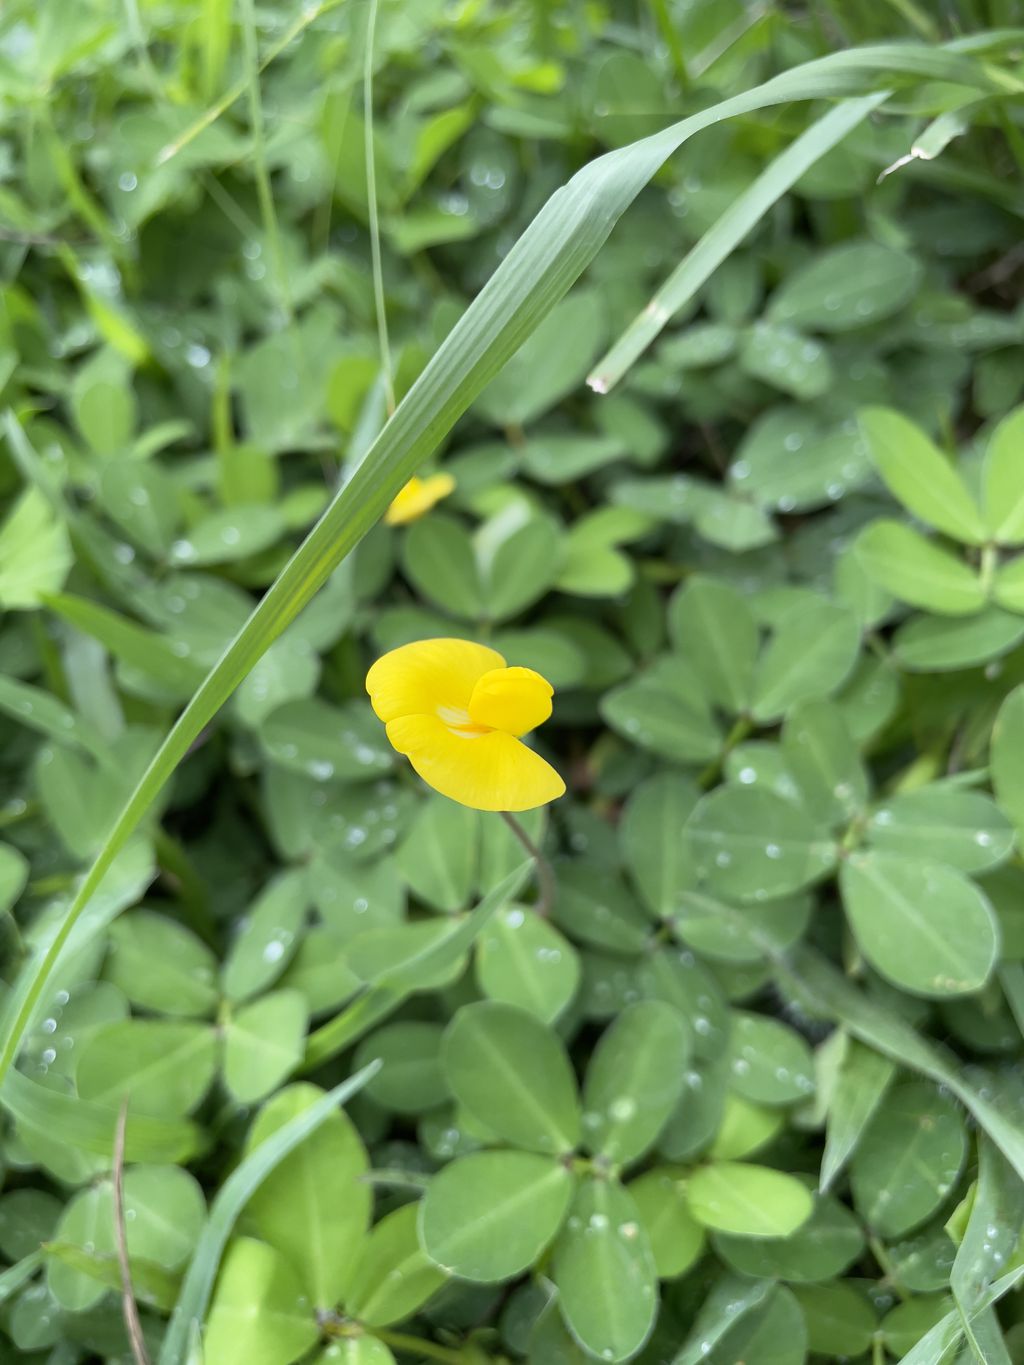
(164, 1068)
(913, 569)
(787, 360)
(438, 858)
(634, 1080)
(314, 1207)
(712, 624)
(849, 286)
(263, 1043)
(863, 1079)
(143, 500)
(517, 555)
(488, 1216)
(523, 960)
(1008, 758)
(259, 1315)
(811, 653)
(327, 742)
(749, 1201)
(840, 1320)
(439, 560)
(770, 1062)
(161, 966)
(512, 1073)
(920, 477)
(604, 1272)
(908, 1159)
(676, 1238)
(657, 718)
(1008, 586)
(13, 875)
(824, 761)
(1004, 481)
(597, 907)
(967, 830)
(393, 1276)
(731, 1303)
(650, 832)
(35, 554)
(230, 535)
(267, 938)
(410, 1079)
(922, 924)
(827, 1244)
(750, 844)
(928, 644)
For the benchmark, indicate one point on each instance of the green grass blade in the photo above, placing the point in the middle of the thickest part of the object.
(90, 1126)
(551, 254)
(829, 992)
(387, 991)
(235, 1193)
(739, 219)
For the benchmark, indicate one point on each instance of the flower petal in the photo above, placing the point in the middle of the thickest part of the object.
(494, 771)
(516, 700)
(417, 497)
(422, 677)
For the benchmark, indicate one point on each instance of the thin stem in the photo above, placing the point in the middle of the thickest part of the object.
(129, 1308)
(371, 201)
(545, 875)
(264, 190)
(670, 38)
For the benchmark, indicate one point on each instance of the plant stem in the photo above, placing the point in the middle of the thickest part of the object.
(545, 874)
(129, 1308)
(371, 202)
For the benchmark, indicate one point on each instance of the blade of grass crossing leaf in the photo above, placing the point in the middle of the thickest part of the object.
(18, 1274)
(538, 271)
(264, 191)
(829, 993)
(90, 1126)
(388, 990)
(234, 1194)
(371, 200)
(739, 219)
(938, 1344)
(863, 1078)
(990, 1237)
(307, 15)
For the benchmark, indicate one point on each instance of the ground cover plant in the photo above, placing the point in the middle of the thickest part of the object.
(668, 357)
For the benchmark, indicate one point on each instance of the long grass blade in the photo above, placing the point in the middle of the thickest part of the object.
(235, 1193)
(551, 254)
(738, 220)
(829, 992)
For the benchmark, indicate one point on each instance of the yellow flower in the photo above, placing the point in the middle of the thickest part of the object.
(417, 497)
(457, 713)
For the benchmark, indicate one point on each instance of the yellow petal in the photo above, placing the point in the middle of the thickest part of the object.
(428, 677)
(516, 700)
(418, 496)
(493, 771)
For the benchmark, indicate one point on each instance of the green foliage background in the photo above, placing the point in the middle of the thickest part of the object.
(751, 1089)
